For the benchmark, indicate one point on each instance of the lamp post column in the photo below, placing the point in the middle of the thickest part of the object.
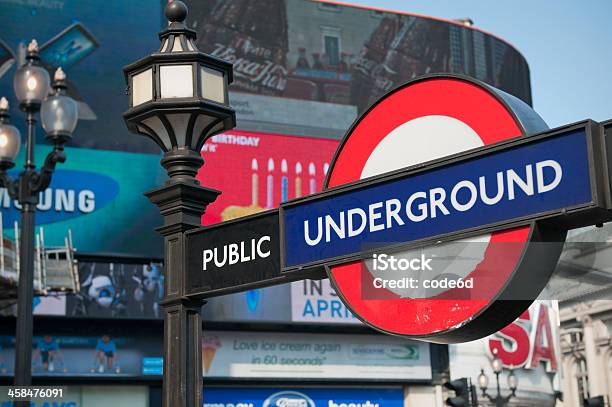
(499, 400)
(28, 199)
(181, 202)
(23, 347)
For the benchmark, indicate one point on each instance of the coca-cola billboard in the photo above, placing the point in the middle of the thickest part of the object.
(250, 34)
(324, 52)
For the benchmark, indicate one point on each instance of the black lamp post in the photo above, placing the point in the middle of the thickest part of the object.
(178, 97)
(59, 117)
(483, 383)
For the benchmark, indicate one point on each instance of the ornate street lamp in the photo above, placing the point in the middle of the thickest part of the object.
(59, 117)
(178, 98)
(483, 382)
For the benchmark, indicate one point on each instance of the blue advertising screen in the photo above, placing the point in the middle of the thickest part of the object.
(68, 47)
(533, 178)
(97, 196)
(307, 397)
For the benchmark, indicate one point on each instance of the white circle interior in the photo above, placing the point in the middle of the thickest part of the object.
(414, 142)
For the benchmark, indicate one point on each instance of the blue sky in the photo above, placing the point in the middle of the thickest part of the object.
(567, 43)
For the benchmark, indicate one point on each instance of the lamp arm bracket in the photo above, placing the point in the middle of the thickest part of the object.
(41, 180)
(487, 395)
(11, 185)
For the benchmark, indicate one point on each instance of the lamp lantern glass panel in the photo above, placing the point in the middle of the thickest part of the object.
(212, 83)
(497, 364)
(10, 143)
(142, 87)
(176, 81)
(59, 115)
(31, 84)
(483, 380)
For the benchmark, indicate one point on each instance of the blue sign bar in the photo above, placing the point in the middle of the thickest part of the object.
(303, 397)
(152, 366)
(538, 177)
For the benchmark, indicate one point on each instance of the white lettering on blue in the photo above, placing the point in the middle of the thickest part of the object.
(422, 205)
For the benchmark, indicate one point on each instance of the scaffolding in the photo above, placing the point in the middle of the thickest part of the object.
(55, 267)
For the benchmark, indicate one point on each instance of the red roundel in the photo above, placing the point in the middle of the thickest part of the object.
(426, 119)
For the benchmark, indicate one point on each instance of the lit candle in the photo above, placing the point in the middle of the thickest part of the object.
(298, 180)
(325, 171)
(284, 181)
(313, 183)
(254, 183)
(270, 182)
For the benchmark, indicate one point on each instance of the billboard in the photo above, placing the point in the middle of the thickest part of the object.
(239, 354)
(257, 171)
(117, 290)
(341, 59)
(316, 301)
(236, 354)
(100, 354)
(303, 397)
(97, 196)
(93, 69)
(109, 290)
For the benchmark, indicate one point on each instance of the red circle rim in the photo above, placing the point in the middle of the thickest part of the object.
(493, 121)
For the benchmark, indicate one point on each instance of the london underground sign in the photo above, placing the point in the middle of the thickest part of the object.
(441, 117)
(441, 159)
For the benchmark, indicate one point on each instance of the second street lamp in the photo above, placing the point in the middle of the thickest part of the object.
(178, 98)
(483, 382)
(59, 118)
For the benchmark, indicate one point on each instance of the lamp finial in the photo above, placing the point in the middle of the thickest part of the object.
(60, 75)
(33, 46)
(176, 11)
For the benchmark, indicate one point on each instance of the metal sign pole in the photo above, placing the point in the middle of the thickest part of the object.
(181, 205)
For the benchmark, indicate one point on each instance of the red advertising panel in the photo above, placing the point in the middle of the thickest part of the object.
(257, 171)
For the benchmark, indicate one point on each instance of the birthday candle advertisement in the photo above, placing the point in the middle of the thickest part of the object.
(257, 171)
